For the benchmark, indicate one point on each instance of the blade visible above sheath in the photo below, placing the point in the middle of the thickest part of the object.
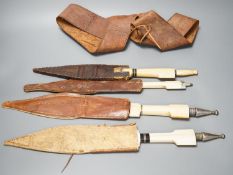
(85, 71)
(81, 139)
(87, 86)
(72, 106)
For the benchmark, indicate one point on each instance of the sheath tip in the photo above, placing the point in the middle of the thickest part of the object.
(8, 143)
(6, 104)
(11, 143)
(35, 70)
(28, 87)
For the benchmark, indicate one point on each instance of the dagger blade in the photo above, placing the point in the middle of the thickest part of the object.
(72, 106)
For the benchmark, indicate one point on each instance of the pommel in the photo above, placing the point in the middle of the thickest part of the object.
(204, 137)
(187, 72)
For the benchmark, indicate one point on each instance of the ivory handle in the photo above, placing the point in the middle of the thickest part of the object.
(165, 85)
(187, 72)
(157, 73)
(185, 137)
(162, 73)
(178, 111)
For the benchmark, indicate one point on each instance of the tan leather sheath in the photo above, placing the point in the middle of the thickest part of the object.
(101, 35)
(81, 139)
(87, 86)
(73, 106)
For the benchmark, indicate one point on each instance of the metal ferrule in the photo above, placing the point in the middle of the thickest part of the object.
(203, 136)
(199, 112)
(145, 138)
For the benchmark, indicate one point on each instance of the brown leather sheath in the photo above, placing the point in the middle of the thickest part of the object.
(73, 106)
(87, 86)
(101, 35)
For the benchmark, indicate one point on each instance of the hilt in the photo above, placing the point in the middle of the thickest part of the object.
(161, 73)
(183, 137)
(175, 111)
(169, 85)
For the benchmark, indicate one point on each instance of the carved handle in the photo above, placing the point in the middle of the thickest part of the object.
(174, 111)
(166, 85)
(185, 137)
(161, 73)
(157, 73)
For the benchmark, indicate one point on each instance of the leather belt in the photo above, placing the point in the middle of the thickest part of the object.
(102, 35)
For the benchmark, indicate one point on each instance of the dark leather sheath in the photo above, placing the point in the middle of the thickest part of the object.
(86, 72)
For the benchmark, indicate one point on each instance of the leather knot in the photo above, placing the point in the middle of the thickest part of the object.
(147, 28)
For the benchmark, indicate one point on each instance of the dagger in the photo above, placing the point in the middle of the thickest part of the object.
(93, 87)
(81, 139)
(112, 72)
(73, 106)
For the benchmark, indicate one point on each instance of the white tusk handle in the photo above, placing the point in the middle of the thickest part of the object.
(174, 110)
(165, 85)
(178, 111)
(187, 72)
(157, 73)
(162, 73)
(185, 137)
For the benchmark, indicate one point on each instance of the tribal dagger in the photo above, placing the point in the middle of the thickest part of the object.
(94, 87)
(74, 106)
(112, 72)
(81, 139)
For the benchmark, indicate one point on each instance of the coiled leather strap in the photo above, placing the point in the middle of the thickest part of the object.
(101, 35)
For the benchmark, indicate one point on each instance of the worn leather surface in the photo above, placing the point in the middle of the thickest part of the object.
(101, 35)
(81, 139)
(86, 72)
(73, 106)
(87, 86)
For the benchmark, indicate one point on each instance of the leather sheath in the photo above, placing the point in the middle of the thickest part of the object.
(73, 106)
(102, 35)
(81, 139)
(87, 86)
(86, 72)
